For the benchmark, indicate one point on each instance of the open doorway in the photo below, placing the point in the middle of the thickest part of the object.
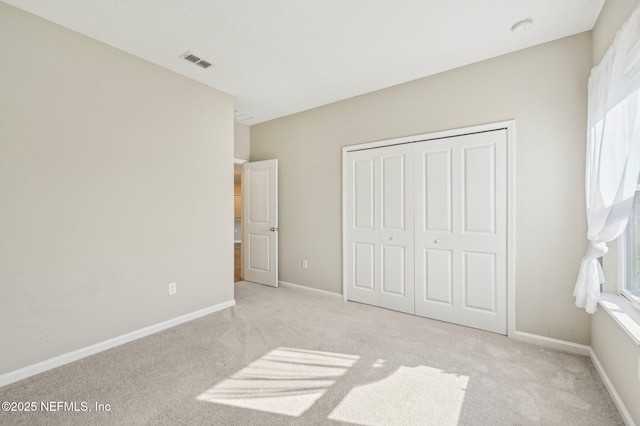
(237, 222)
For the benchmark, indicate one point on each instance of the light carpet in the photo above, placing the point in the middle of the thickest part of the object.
(284, 356)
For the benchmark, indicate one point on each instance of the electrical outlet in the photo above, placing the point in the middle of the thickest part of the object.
(172, 289)
(305, 264)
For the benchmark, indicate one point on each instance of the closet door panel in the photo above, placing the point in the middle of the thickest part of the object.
(436, 213)
(363, 193)
(483, 236)
(479, 281)
(462, 181)
(364, 266)
(380, 244)
(396, 228)
(437, 208)
(362, 233)
(393, 270)
(393, 193)
(437, 276)
(478, 189)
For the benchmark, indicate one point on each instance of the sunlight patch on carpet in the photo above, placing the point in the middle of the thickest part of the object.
(284, 381)
(419, 395)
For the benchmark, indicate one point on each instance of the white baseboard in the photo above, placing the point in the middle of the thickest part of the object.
(548, 342)
(63, 359)
(309, 289)
(622, 409)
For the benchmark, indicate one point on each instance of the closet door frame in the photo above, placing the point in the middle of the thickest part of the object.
(510, 127)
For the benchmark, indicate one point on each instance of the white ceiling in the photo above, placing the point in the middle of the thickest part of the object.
(279, 57)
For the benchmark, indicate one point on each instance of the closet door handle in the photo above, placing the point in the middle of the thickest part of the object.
(436, 241)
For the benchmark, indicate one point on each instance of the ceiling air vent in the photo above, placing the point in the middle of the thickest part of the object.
(203, 64)
(190, 57)
(241, 115)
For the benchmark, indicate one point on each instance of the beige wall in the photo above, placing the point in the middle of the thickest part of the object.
(543, 88)
(115, 180)
(619, 356)
(241, 136)
(617, 352)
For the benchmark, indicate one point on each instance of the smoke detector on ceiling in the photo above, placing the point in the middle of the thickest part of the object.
(521, 26)
(196, 60)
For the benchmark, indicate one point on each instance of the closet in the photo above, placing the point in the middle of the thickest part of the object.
(426, 227)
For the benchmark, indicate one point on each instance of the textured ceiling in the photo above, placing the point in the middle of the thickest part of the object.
(279, 57)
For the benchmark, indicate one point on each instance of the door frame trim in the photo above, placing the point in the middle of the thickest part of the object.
(510, 126)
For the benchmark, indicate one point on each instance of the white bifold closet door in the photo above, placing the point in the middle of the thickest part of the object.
(381, 238)
(426, 229)
(460, 237)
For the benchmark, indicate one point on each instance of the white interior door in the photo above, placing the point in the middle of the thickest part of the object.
(260, 216)
(380, 241)
(461, 227)
(437, 266)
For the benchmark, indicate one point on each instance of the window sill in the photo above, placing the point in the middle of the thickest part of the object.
(623, 313)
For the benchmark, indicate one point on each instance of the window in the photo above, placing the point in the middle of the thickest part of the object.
(612, 167)
(630, 287)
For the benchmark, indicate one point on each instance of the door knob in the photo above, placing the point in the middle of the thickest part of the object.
(436, 241)
(392, 238)
(272, 229)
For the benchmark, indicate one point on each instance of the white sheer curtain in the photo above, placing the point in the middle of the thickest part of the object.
(613, 153)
